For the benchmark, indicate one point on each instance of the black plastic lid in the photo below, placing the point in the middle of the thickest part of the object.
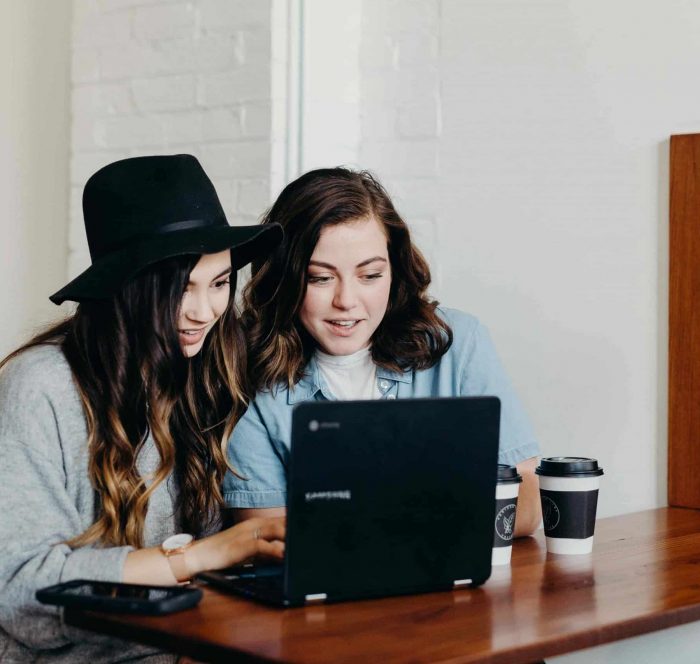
(569, 467)
(508, 474)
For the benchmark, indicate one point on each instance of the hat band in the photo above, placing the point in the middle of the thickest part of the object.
(183, 225)
(161, 230)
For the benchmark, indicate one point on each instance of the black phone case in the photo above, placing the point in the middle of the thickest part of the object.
(178, 599)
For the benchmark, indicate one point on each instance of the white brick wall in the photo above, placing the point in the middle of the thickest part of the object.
(167, 76)
(400, 110)
(371, 98)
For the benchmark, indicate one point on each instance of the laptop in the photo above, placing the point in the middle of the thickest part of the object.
(385, 497)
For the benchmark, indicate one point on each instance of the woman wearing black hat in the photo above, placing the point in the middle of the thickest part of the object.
(113, 421)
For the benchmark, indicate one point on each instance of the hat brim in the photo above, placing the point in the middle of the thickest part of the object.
(107, 275)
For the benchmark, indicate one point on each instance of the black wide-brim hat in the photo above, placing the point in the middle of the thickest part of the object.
(143, 210)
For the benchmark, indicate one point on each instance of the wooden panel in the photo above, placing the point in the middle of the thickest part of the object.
(641, 577)
(684, 324)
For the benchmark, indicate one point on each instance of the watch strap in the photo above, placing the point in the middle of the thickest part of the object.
(178, 565)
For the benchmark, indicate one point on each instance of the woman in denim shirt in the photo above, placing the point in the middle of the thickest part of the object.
(340, 311)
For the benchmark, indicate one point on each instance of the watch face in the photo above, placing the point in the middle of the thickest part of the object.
(176, 541)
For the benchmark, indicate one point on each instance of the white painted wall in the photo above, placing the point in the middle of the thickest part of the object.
(330, 83)
(553, 214)
(400, 111)
(528, 145)
(34, 142)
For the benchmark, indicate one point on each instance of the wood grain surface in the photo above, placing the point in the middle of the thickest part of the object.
(684, 323)
(643, 575)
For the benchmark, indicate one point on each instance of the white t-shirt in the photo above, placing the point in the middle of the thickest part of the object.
(350, 376)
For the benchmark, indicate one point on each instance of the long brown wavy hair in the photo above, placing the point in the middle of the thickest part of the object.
(133, 378)
(411, 334)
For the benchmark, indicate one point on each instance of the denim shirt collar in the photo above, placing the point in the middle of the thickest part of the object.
(312, 382)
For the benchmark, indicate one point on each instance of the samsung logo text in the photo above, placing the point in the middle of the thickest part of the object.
(327, 495)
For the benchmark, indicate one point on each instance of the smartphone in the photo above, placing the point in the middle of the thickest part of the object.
(120, 597)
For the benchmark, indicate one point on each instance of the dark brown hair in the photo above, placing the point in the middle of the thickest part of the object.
(133, 378)
(411, 334)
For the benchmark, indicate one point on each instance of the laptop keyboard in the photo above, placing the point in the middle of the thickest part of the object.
(266, 588)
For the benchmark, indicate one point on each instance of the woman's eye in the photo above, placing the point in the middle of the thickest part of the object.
(222, 283)
(373, 276)
(319, 279)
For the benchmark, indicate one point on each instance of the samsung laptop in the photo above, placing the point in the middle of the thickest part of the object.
(384, 498)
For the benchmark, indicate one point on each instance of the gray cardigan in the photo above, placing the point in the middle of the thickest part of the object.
(45, 499)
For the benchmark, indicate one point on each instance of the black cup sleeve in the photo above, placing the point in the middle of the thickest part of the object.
(569, 514)
(504, 524)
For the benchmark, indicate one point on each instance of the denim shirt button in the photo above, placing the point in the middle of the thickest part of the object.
(391, 396)
(383, 384)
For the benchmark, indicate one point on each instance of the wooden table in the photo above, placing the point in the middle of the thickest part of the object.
(644, 575)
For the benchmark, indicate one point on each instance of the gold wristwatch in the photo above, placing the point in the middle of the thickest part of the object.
(174, 550)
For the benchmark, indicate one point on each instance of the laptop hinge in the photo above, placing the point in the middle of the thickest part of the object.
(316, 598)
(461, 583)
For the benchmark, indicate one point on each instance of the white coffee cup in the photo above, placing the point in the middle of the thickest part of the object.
(507, 490)
(569, 495)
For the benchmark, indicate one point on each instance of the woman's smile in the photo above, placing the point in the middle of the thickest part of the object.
(192, 336)
(343, 328)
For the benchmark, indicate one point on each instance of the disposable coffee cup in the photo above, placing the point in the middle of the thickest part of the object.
(569, 496)
(507, 487)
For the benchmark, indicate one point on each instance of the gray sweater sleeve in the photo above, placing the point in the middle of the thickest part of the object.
(45, 496)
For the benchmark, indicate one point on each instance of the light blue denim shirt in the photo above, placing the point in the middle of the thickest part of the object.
(259, 446)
